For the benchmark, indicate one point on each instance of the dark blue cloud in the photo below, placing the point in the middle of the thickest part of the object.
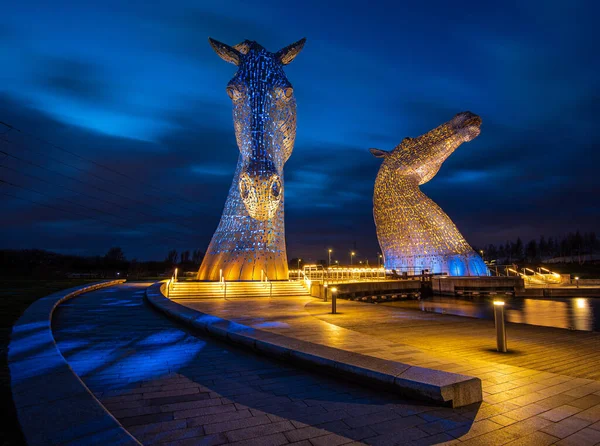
(136, 87)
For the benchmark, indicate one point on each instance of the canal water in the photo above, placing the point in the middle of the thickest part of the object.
(573, 313)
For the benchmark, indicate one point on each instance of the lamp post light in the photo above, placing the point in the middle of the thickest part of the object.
(329, 258)
(352, 254)
(500, 327)
(379, 259)
(299, 260)
(577, 281)
(334, 300)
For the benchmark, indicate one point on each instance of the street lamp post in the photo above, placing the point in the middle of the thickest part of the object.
(577, 281)
(299, 260)
(352, 258)
(329, 259)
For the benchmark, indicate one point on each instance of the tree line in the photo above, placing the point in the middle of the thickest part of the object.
(574, 245)
(41, 264)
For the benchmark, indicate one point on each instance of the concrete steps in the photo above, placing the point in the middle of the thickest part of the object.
(211, 290)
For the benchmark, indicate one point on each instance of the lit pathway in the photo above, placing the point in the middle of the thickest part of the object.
(522, 401)
(168, 386)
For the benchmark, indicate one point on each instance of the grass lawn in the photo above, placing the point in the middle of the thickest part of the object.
(15, 297)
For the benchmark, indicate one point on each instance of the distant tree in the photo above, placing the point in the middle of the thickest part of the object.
(501, 253)
(115, 255)
(184, 257)
(531, 251)
(172, 257)
(518, 249)
(593, 241)
(197, 256)
(551, 247)
(542, 247)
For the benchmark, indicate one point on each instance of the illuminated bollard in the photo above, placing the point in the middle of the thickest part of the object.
(500, 327)
(333, 301)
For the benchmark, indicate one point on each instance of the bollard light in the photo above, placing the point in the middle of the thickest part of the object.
(577, 281)
(333, 300)
(500, 326)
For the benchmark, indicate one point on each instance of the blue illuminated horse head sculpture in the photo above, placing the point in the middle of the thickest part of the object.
(250, 240)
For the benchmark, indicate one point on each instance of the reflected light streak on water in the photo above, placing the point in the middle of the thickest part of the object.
(579, 313)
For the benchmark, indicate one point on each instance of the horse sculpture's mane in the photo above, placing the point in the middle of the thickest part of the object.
(250, 239)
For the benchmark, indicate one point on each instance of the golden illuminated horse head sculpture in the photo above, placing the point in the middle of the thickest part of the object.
(413, 232)
(249, 242)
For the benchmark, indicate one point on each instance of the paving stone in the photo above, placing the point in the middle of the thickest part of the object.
(230, 425)
(583, 437)
(535, 439)
(267, 440)
(228, 385)
(259, 431)
(560, 413)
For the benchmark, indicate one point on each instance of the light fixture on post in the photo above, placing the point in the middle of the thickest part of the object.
(500, 326)
(334, 300)
(352, 254)
(329, 258)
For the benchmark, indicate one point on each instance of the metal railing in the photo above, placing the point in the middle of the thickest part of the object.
(266, 282)
(321, 274)
(223, 286)
(306, 281)
(170, 283)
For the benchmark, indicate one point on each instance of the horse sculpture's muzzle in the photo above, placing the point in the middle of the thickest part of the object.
(261, 190)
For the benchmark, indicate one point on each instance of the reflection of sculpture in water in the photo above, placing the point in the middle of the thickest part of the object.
(250, 237)
(414, 233)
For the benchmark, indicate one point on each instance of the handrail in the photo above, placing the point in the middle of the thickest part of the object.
(307, 282)
(265, 280)
(223, 286)
(170, 284)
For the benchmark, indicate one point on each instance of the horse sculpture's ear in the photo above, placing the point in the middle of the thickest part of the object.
(378, 153)
(243, 47)
(289, 53)
(225, 52)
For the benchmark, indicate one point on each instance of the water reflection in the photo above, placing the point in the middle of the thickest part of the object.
(577, 313)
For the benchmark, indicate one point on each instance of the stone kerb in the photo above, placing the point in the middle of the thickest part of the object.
(53, 405)
(417, 382)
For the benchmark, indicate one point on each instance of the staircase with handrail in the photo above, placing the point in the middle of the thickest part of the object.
(222, 289)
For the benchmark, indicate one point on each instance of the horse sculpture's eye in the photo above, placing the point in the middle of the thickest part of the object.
(284, 93)
(275, 187)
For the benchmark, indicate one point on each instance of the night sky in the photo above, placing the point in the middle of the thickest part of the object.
(137, 89)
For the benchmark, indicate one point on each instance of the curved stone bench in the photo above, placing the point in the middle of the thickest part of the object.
(417, 382)
(53, 405)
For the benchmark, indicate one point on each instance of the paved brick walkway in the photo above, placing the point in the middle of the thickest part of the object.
(168, 386)
(523, 401)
